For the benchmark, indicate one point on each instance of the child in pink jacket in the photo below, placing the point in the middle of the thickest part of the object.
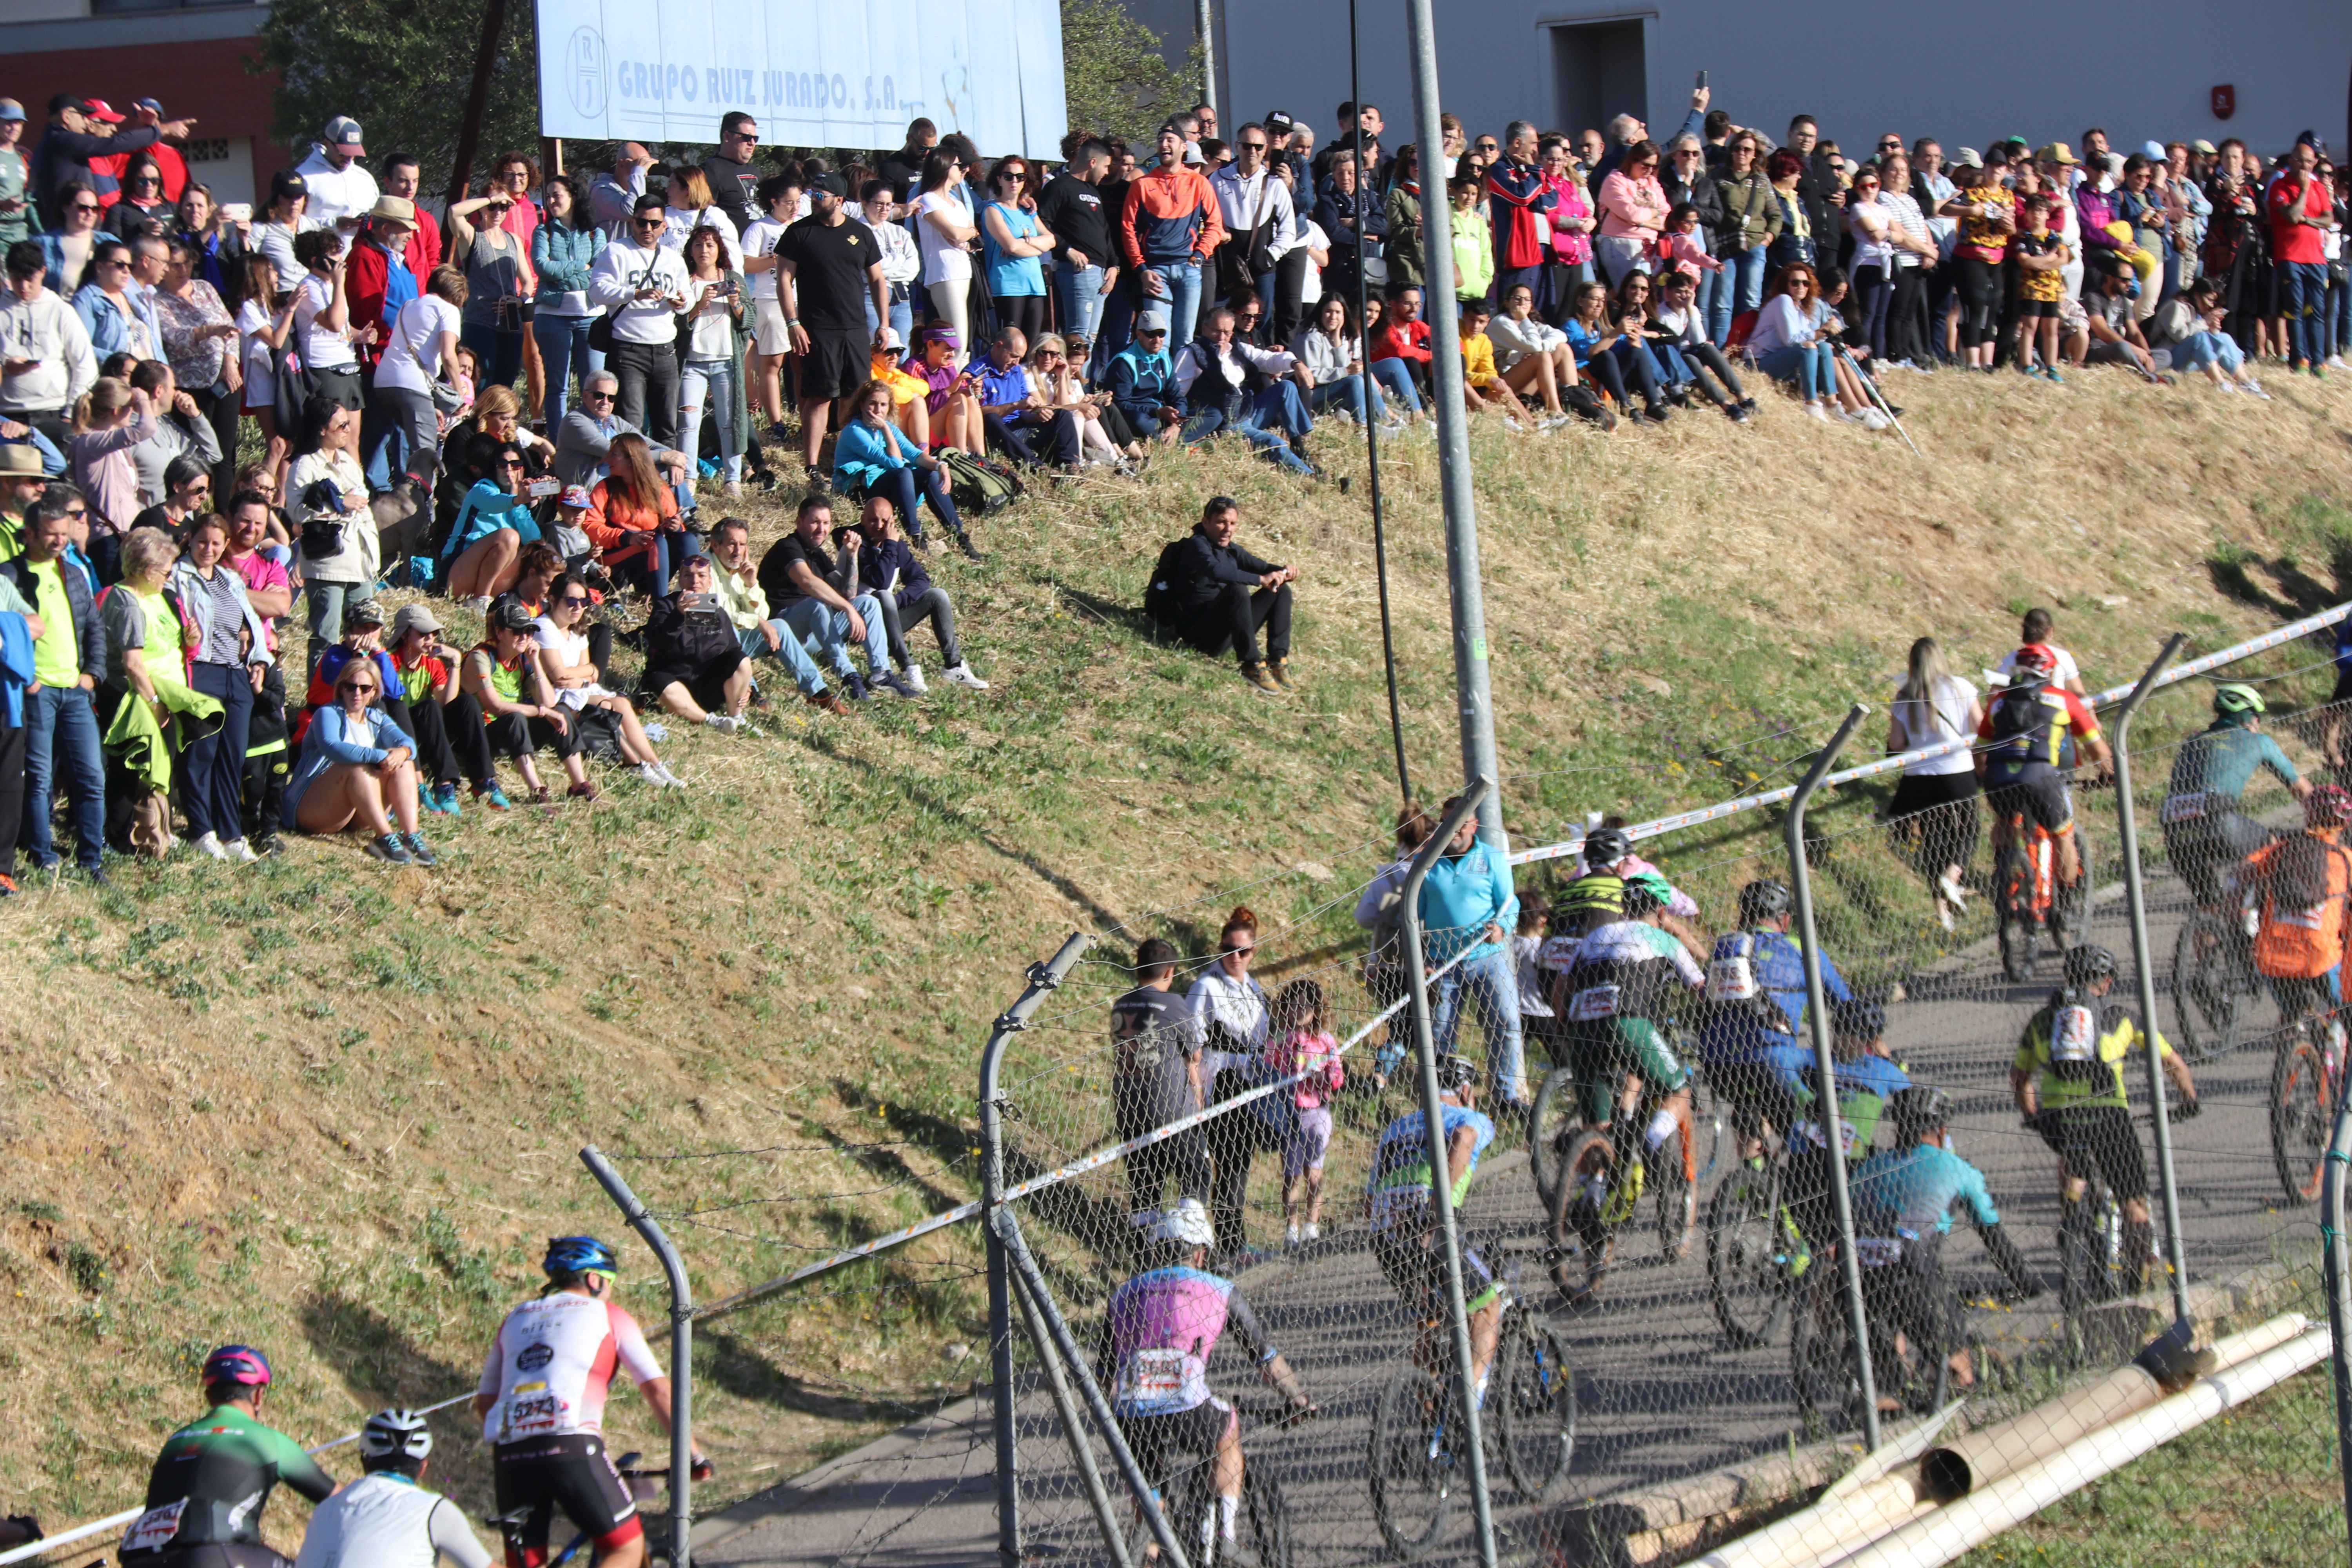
(1301, 1042)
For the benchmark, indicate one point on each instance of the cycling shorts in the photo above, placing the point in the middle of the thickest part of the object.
(1911, 1291)
(1408, 1255)
(2298, 995)
(1756, 1093)
(2034, 790)
(571, 1471)
(1601, 1054)
(2105, 1132)
(211, 1554)
(1161, 1442)
(2205, 848)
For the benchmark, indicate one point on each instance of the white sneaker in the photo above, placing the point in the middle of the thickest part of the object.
(1290, 1238)
(725, 723)
(1954, 894)
(2254, 389)
(1819, 412)
(670, 778)
(480, 603)
(210, 844)
(1554, 421)
(963, 676)
(240, 851)
(2336, 361)
(1313, 1232)
(1872, 419)
(913, 676)
(652, 775)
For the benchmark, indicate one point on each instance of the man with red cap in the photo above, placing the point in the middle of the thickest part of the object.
(68, 144)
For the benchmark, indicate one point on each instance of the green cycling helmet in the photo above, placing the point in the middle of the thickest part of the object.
(2237, 701)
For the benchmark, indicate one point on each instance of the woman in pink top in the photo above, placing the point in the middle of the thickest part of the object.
(1633, 208)
(1571, 218)
(1301, 1042)
(112, 417)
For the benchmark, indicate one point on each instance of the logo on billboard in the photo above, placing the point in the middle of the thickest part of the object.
(584, 66)
(2225, 101)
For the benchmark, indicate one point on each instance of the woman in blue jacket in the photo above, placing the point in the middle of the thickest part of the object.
(562, 248)
(358, 767)
(870, 458)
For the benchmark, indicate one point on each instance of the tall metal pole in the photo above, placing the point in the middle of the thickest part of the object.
(1042, 978)
(681, 1352)
(1453, 439)
(1441, 1186)
(2135, 901)
(2339, 1297)
(1205, 20)
(1817, 1018)
(1372, 425)
(1073, 1428)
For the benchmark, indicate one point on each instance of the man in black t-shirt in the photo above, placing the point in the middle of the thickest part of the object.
(734, 178)
(904, 168)
(804, 583)
(1155, 1045)
(1085, 267)
(827, 266)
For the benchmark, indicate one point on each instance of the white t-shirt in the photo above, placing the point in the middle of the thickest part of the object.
(1311, 237)
(335, 194)
(760, 239)
(1930, 723)
(2066, 675)
(321, 349)
(944, 261)
(253, 319)
(413, 358)
(709, 334)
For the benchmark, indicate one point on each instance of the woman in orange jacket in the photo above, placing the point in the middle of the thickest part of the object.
(631, 520)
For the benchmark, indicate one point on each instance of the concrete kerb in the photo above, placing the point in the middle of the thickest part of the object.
(1660, 1526)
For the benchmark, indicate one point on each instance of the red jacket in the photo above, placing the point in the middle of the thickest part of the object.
(1170, 215)
(1409, 342)
(363, 285)
(424, 251)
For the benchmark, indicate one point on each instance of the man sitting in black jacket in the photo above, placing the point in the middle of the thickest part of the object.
(1224, 594)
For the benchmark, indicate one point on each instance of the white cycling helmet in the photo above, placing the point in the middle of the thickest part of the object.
(395, 1434)
(1187, 1224)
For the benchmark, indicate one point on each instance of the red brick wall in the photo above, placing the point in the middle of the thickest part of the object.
(205, 79)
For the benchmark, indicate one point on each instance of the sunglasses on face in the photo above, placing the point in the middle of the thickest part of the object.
(509, 462)
(650, 221)
(83, 208)
(1253, 146)
(360, 687)
(77, 512)
(574, 600)
(115, 261)
(600, 397)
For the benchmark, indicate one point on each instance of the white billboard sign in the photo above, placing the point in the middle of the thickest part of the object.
(818, 73)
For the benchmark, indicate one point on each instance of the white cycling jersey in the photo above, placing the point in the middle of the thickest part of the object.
(384, 1520)
(552, 1362)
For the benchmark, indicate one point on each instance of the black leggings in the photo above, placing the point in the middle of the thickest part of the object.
(1026, 312)
(451, 740)
(1907, 319)
(1979, 299)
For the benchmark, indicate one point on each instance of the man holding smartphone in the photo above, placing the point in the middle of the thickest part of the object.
(643, 284)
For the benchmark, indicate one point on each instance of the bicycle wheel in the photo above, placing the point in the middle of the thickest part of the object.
(1670, 1178)
(1531, 1398)
(2014, 917)
(1747, 1244)
(2089, 1256)
(1821, 1352)
(2213, 990)
(1264, 1515)
(1589, 1177)
(1550, 1125)
(1909, 1355)
(2299, 1107)
(1189, 1500)
(1708, 1127)
(1414, 1471)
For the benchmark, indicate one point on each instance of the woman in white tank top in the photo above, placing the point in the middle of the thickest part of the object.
(1934, 811)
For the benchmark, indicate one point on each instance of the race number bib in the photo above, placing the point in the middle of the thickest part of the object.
(1731, 978)
(1811, 1133)
(155, 1528)
(2074, 1035)
(1594, 1003)
(1154, 1375)
(2177, 808)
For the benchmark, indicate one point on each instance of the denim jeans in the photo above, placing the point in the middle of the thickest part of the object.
(61, 740)
(1347, 395)
(1277, 413)
(323, 605)
(500, 353)
(1120, 311)
(1810, 367)
(1182, 300)
(2301, 297)
(1619, 255)
(907, 486)
(1079, 289)
(703, 377)
(817, 624)
(902, 319)
(789, 652)
(2199, 350)
(563, 350)
(1747, 294)
(1493, 983)
(1395, 378)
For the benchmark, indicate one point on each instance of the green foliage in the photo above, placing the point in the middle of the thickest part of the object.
(1116, 80)
(403, 69)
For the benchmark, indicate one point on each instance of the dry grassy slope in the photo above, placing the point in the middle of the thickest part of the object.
(333, 1111)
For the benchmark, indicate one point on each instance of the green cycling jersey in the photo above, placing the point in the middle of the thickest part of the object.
(214, 1475)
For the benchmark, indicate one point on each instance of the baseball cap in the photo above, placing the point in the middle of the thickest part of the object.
(414, 619)
(510, 617)
(1150, 322)
(344, 132)
(1277, 122)
(1192, 152)
(1968, 158)
(2056, 152)
(831, 185)
(2201, 146)
(574, 495)
(99, 109)
(2152, 150)
(10, 109)
(364, 613)
(153, 106)
(286, 183)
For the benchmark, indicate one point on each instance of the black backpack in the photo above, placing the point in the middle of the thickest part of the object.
(2296, 873)
(2019, 715)
(1160, 600)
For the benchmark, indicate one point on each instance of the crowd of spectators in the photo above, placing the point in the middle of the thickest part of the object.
(211, 412)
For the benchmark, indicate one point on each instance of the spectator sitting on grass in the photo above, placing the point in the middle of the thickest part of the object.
(819, 603)
(1230, 384)
(565, 667)
(1017, 416)
(871, 458)
(737, 583)
(358, 766)
(906, 596)
(535, 576)
(693, 662)
(502, 675)
(1225, 595)
(1142, 381)
(493, 524)
(427, 700)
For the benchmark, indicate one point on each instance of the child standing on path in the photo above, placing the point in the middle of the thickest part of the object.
(1302, 1043)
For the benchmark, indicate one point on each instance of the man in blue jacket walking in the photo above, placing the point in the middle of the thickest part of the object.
(1467, 906)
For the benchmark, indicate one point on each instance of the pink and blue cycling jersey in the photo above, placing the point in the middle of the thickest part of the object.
(1163, 1326)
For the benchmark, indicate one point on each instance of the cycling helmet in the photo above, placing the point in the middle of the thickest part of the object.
(1919, 1109)
(1763, 900)
(2088, 962)
(1858, 1018)
(1186, 1225)
(1604, 847)
(1455, 1072)
(2329, 805)
(239, 1364)
(2237, 701)
(571, 1255)
(2034, 661)
(395, 1435)
(1646, 892)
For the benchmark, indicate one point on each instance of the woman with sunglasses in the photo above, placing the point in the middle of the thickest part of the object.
(563, 247)
(1015, 242)
(113, 309)
(945, 230)
(328, 492)
(198, 334)
(142, 207)
(1229, 1009)
(566, 669)
(359, 767)
(499, 279)
(1794, 342)
(632, 520)
(1633, 208)
(281, 221)
(870, 458)
(493, 524)
(216, 240)
(1102, 429)
(69, 251)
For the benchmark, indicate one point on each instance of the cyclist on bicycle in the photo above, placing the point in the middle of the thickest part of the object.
(541, 1404)
(1907, 1195)
(2205, 832)
(1608, 851)
(2301, 887)
(2024, 729)
(1752, 1041)
(1611, 1001)
(215, 1475)
(1397, 1195)
(2067, 1079)
(386, 1518)
(1158, 1334)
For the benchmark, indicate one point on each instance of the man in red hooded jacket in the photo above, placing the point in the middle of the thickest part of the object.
(1516, 195)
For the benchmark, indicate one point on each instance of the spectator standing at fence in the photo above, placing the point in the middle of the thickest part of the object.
(1934, 707)
(1156, 1079)
(1468, 908)
(1230, 1012)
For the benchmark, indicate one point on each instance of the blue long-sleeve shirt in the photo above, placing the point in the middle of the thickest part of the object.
(486, 509)
(335, 737)
(1737, 1032)
(1463, 895)
(1914, 1189)
(864, 452)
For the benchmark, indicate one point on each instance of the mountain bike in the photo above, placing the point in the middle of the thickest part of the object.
(1262, 1523)
(2028, 899)
(1417, 1467)
(1910, 1350)
(1754, 1254)
(2306, 1086)
(2094, 1266)
(2215, 990)
(646, 1484)
(1597, 1184)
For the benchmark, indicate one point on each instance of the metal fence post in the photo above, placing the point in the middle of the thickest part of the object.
(1042, 978)
(1817, 1017)
(1016, 1246)
(2135, 901)
(2339, 1296)
(1074, 1426)
(681, 1352)
(1441, 1190)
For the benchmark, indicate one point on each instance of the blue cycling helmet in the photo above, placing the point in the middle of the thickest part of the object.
(241, 1366)
(572, 1254)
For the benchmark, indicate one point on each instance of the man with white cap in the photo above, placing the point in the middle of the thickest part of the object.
(341, 191)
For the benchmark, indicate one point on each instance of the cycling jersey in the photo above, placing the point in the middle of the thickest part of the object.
(1400, 1178)
(384, 1520)
(1914, 1189)
(2221, 761)
(2025, 727)
(549, 1367)
(1624, 969)
(1863, 1087)
(1161, 1327)
(212, 1479)
(2078, 1044)
(1756, 981)
(2304, 883)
